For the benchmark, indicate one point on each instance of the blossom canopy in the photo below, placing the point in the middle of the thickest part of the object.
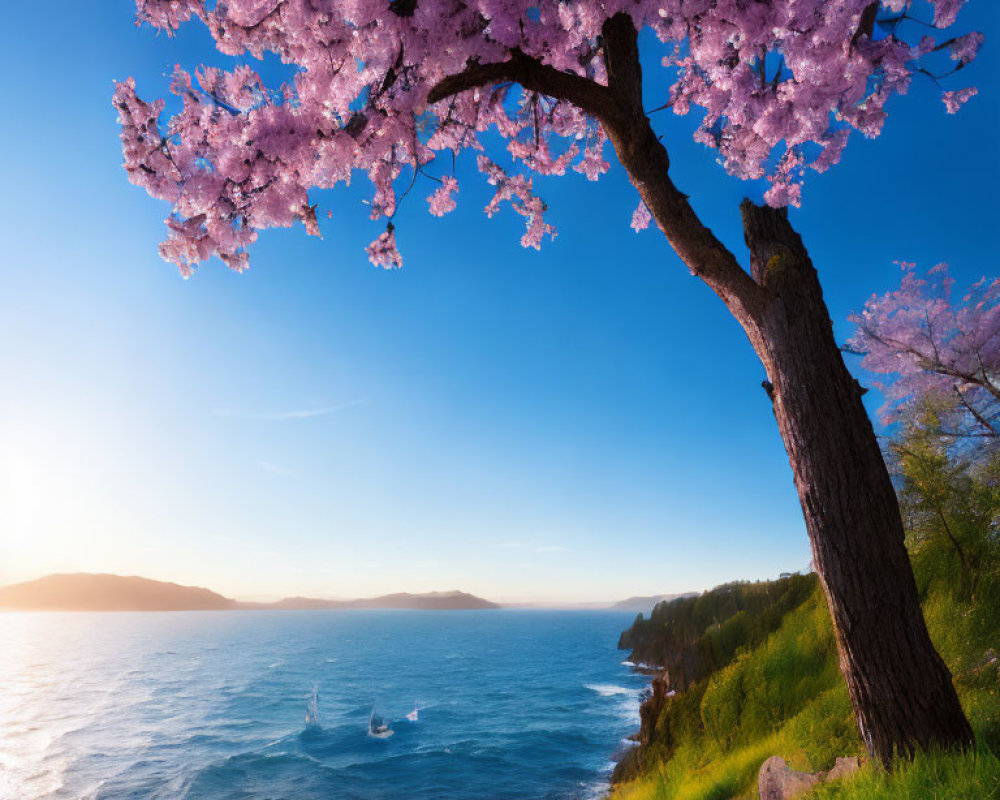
(385, 87)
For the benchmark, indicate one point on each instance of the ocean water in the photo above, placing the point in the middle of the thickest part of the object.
(513, 705)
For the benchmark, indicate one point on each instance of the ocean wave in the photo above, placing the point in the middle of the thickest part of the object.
(629, 711)
(595, 791)
(192, 726)
(609, 689)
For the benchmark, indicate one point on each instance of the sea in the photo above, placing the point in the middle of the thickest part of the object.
(512, 704)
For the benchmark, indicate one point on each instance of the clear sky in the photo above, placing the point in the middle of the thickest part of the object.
(583, 423)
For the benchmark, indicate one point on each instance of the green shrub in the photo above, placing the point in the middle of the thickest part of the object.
(825, 729)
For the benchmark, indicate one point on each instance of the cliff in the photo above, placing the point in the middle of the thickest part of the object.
(690, 638)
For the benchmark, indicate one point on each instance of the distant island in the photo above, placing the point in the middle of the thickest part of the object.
(646, 604)
(102, 592)
(428, 601)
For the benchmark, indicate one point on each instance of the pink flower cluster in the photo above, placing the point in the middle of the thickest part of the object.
(954, 100)
(781, 83)
(928, 342)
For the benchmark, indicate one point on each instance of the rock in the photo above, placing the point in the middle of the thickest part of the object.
(652, 707)
(777, 781)
(843, 768)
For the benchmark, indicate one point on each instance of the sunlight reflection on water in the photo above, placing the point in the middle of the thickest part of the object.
(199, 705)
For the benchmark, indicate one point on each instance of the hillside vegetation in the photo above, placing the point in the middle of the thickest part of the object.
(752, 669)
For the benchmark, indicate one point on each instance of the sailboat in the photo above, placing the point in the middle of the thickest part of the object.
(412, 716)
(378, 727)
(312, 709)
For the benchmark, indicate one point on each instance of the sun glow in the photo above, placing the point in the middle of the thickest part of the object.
(55, 507)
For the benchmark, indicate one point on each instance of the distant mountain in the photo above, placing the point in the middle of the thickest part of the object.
(430, 601)
(87, 592)
(645, 604)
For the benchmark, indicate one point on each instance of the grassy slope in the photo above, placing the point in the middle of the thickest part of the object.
(786, 697)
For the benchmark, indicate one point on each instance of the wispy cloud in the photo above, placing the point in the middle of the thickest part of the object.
(535, 548)
(274, 469)
(284, 416)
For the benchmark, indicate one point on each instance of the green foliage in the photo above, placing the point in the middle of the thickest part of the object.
(950, 497)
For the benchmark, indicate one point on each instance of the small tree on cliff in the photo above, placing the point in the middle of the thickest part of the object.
(939, 353)
(950, 499)
(383, 86)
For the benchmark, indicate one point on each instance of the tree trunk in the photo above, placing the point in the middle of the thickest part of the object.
(900, 688)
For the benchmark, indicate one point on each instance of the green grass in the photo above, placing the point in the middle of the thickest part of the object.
(681, 777)
(930, 776)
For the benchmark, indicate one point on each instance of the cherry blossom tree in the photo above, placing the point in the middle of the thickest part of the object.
(934, 347)
(399, 90)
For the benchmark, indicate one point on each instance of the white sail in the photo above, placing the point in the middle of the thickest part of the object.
(312, 709)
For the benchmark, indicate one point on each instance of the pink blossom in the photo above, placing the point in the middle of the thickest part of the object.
(784, 194)
(441, 201)
(927, 342)
(945, 12)
(954, 100)
(383, 251)
(641, 217)
(965, 48)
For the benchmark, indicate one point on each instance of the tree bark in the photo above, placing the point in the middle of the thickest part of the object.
(900, 688)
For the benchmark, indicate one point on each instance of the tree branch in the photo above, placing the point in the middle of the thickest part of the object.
(975, 413)
(533, 75)
(618, 107)
(647, 162)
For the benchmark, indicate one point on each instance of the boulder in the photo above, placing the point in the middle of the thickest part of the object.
(843, 768)
(777, 781)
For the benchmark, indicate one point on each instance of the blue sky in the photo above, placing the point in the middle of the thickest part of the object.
(583, 423)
